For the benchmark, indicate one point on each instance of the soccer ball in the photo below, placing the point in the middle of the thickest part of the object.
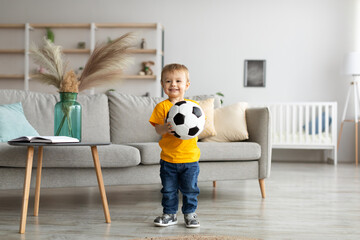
(187, 119)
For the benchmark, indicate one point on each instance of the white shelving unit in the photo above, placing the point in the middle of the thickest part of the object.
(156, 52)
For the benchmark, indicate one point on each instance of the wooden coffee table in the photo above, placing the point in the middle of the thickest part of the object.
(28, 169)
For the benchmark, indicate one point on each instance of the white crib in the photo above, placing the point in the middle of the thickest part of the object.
(305, 125)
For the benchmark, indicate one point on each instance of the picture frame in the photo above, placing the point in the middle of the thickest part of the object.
(254, 73)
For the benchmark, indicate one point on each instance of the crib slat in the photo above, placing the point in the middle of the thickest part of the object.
(287, 123)
(320, 135)
(307, 123)
(300, 123)
(293, 120)
(313, 123)
(334, 124)
(327, 121)
(281, 117)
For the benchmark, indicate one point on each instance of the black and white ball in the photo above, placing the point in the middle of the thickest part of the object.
(187, 119)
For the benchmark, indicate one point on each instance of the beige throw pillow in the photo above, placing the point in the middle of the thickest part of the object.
(208, 108)
(230, 124)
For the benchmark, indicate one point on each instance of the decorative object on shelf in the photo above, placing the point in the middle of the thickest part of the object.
(81, 45)
(40, 69)
(105, 64)
(254, 73)
(79, 71)
(351, 66)
(50, 35)
(143, 43)
(146, 67)
(221, 95)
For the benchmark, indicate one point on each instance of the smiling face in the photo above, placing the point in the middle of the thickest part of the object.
(175, 84)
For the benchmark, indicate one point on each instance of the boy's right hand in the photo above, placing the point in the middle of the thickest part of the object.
(164, 128)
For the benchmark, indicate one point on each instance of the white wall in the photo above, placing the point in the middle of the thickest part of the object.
(303, 42)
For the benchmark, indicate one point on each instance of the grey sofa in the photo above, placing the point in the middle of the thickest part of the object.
(133, 156)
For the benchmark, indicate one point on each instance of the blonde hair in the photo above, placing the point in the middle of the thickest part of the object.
(174, 67)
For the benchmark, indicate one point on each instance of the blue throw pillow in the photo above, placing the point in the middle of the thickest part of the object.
(13, 123)
(317, 124)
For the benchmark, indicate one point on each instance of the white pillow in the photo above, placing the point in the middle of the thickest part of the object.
(230, 124)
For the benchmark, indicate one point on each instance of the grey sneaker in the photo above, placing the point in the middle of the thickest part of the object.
(191, 220)
(165, 220)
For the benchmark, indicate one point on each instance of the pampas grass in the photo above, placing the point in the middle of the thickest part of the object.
(107, 62)
(50, 57)
(105, 65)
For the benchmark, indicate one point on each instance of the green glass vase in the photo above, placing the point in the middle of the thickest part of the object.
(67, 119)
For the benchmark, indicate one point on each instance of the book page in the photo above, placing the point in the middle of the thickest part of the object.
(45, 139)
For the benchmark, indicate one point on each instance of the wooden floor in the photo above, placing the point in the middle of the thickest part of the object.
(304, 201)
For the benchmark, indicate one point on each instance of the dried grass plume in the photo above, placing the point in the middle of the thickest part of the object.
(70, 83)
(50, 57)
(106, 64)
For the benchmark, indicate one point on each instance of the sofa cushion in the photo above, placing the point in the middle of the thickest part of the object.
(229, 151)
(39, 111)
(149, 151)
(13, 122)
(72, 157)
(210, 151)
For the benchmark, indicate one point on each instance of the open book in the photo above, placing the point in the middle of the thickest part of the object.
(45, 139)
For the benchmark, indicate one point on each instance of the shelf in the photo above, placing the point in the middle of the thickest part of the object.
(75, 50)
(12, 25)
(126, 25)
(139, 77)
(11, 51)
(142, 51)
(21, 76)
(82, 25)
(60, 25)
(11, 76)
(134, 51)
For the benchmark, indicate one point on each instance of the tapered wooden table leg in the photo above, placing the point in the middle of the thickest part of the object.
(97, 166)
(27, 180)
(38, 181)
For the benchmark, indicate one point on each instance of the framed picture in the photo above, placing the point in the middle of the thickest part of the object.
(254, 73)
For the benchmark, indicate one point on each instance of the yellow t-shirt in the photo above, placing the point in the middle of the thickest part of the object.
(174, 150)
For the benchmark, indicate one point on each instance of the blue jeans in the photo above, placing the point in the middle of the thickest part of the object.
(183, 177)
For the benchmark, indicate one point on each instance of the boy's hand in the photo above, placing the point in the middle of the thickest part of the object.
(164, 128)
(169, 128)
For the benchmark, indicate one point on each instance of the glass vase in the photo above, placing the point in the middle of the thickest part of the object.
(67, 118)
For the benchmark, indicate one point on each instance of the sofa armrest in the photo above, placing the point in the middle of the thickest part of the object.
(259, 128)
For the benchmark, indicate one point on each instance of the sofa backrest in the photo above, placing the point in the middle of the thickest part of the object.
(39, 111)
(129, 117)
